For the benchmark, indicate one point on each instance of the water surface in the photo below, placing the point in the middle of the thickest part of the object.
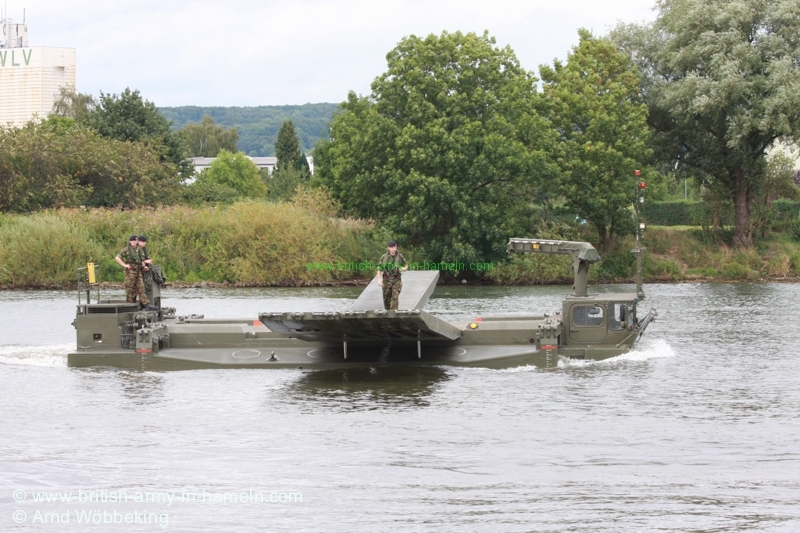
(696, 430)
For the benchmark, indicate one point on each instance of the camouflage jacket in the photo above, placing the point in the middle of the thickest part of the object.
(130, 256)
(391, 265)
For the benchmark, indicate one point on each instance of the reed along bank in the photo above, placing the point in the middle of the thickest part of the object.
(257, 243)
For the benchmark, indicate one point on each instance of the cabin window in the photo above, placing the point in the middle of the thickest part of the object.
(617, 316)
(588, 316)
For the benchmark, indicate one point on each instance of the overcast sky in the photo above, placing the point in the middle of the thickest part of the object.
(263, 52)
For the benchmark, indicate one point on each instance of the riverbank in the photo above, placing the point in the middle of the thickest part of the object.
(261, 244)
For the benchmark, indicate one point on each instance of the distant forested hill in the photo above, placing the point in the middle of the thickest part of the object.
(258, 126)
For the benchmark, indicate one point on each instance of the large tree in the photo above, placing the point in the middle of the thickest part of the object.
(206, 139)
(236, 171)
(445, 150)
(594, 102)
(129, 117)
(722, 83)
(57, 163)
(287, 147)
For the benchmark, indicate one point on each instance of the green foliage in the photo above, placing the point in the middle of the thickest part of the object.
(258, 126)
(128, 117)
(720, 81)
(444, 151)
(287, 147)
(787, 210)
(206, 191)
(72, 104)
(533, 269)
(236, 243)
(43, 250)
(777, 183)
(206, 139)
(794, 229)
(616, 265)
(681, 213)
(60, 163)
(283, 183)
(235, 171)
(593, 101)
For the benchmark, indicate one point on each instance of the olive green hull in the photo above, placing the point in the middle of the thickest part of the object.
(197, 343)
(332, 357)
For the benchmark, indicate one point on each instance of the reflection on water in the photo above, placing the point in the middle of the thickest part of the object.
(369, 389)
(141, 387)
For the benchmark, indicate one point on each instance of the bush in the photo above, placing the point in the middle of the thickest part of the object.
(617, 265)
(249, 242)
(786, 210)
(532, 269)
(201, 192)
(44, 250)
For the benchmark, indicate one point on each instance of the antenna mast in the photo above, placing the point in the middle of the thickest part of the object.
(638, 201)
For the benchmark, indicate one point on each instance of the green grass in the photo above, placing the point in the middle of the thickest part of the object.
(248, 243)
(270, 244)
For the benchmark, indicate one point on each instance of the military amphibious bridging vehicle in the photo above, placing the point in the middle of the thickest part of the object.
(588, 326)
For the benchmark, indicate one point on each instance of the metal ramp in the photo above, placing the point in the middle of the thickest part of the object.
(361, 327)
(418, 285)
(367, 323)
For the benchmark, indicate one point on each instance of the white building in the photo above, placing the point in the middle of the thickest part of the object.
(30, 77)
(202, 163)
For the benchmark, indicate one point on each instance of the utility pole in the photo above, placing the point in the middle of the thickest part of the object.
(637, 205)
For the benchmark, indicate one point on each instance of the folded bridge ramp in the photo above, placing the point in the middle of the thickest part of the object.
(367, 322)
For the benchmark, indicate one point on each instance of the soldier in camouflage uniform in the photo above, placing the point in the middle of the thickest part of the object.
(144, 257)
(129, 259)
(389, 275)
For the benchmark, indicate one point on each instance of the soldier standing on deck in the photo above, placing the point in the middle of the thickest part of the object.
(128, 258)
(144, 257)
(391, 265)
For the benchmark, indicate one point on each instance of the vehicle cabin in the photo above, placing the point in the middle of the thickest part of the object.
(607, 318)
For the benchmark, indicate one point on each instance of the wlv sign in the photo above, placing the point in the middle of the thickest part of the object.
(13, 59)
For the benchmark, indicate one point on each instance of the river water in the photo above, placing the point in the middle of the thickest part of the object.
(698, 429)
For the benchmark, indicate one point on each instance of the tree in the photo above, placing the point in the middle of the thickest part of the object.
(721, 81)
(57, 162)
(282, 184)
(778, 182)
(206, 139)
(236, 171)
(72, 104)
(128, 117)
(445, 150)
(287, 147)
(594, 103)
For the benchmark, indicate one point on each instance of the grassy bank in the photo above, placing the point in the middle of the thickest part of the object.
(672, 254)
(248, 243)
(268, 244)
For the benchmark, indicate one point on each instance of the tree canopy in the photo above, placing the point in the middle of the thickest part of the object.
(206, 139)
(722, 84)
(72, 104)
(444, 150)
(129, 117)
(594, 103)
(236, 171)
(287, 147)
(57, 163)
